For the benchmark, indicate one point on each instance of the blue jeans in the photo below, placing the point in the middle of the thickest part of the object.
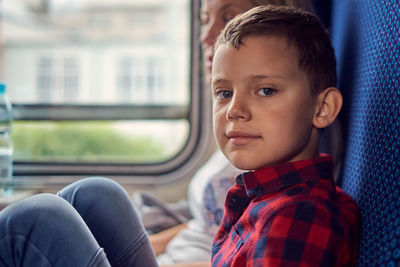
(90, 223)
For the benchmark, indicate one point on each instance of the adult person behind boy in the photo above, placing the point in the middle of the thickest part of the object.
(207, 189)
(273, 82)
(272, 95)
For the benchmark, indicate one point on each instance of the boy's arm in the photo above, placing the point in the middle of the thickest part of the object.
(160, 240)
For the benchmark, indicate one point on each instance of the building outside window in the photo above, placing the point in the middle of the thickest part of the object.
(125, 79)
(71, 79)
(96, 76)
(45, 80)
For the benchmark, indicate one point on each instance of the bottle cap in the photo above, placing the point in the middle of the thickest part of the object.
(2, 87)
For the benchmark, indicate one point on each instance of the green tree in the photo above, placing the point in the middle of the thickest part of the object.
(82, 141)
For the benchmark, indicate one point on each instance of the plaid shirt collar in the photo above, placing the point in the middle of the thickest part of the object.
(291, 214)
(275, 178)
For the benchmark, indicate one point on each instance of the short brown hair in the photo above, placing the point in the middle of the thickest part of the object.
(304, 4)
(300, 28)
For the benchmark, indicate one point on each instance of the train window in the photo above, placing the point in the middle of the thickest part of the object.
(102, 87)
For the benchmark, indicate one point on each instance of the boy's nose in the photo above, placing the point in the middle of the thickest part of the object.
(238, 109)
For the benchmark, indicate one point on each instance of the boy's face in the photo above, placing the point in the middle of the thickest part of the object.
(263, 106)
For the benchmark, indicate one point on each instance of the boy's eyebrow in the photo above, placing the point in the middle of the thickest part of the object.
(264, 76)
(219, 81)
(250, 78)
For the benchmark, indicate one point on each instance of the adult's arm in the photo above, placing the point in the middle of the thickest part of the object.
(160, 240)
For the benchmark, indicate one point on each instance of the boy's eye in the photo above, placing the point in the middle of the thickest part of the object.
(266, 91)
(222, 94)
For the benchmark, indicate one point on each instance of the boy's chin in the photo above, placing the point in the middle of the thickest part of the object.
(250, 160)
(242, 163)
(250, 164)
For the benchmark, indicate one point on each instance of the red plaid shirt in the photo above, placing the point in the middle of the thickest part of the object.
(288, 215)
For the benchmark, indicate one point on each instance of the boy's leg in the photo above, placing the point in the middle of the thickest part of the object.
(108, 212)
(44, 230)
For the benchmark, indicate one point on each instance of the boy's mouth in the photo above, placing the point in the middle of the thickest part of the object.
(241, 138)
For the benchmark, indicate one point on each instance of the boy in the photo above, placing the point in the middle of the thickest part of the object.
(273, 79)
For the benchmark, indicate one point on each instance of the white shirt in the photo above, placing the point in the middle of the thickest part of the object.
(206, 199)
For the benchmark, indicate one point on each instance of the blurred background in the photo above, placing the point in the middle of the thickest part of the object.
(76, 69)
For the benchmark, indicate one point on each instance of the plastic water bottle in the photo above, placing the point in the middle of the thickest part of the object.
(6, 146)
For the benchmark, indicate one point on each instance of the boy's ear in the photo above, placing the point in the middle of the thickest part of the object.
(329, 104)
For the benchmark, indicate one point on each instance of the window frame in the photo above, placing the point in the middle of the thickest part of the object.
(198, 147)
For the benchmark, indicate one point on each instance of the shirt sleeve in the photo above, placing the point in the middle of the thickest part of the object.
(302, 235)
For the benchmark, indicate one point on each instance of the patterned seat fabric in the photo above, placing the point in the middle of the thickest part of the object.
(366, 38)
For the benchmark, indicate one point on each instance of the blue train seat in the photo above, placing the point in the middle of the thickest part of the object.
(366, 37)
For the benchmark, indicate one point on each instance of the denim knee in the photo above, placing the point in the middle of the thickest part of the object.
(93, 190)
(42, 230)
(43, 209)
(107, 210)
